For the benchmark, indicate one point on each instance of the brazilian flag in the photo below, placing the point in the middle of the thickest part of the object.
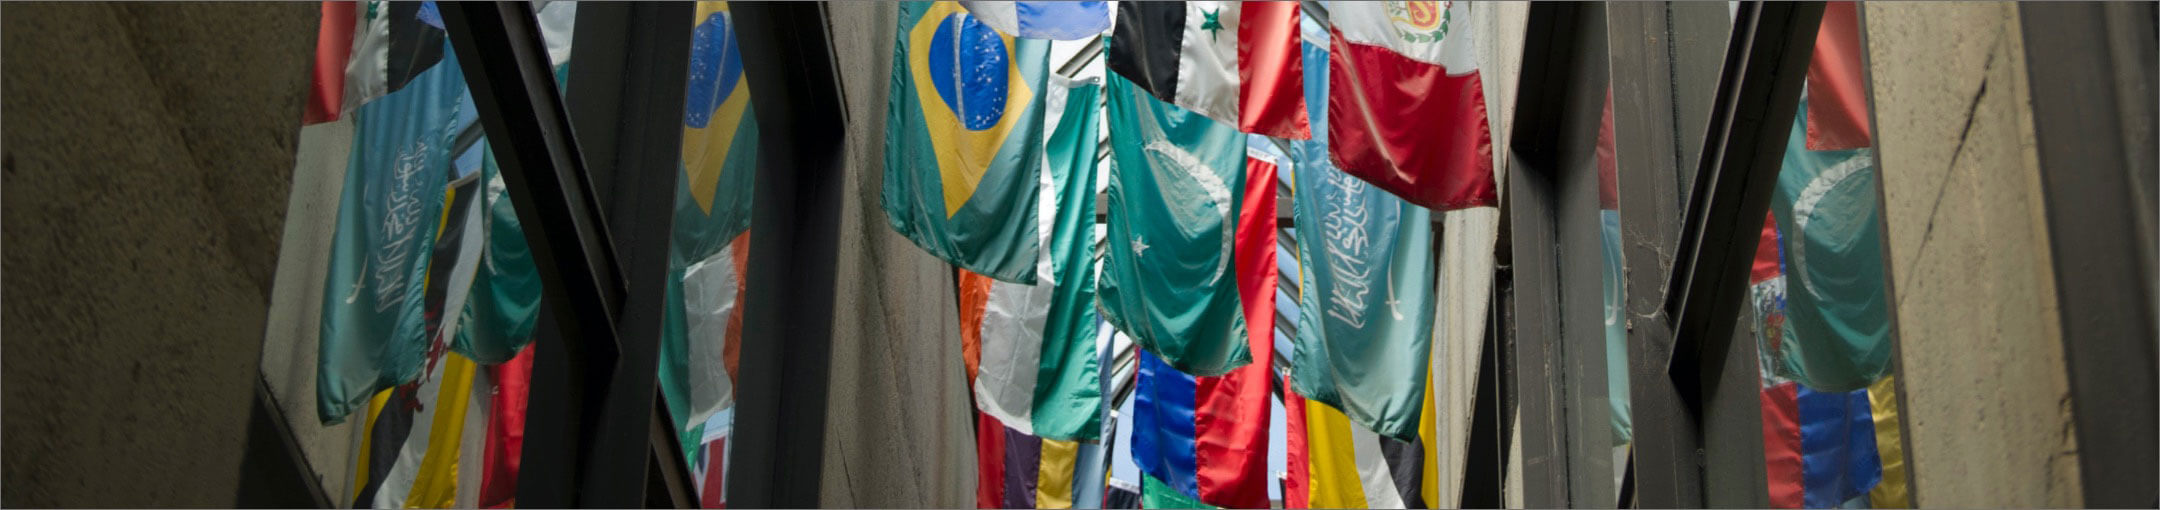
(1169, 277)
(964, 140)
(719, 148)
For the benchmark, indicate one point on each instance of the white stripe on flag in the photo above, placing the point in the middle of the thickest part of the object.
(1207, 71)
(1372, 466)
(1012, 332)
(709, 288)
(397, 484)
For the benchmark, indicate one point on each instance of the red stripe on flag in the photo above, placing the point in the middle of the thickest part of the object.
(974, 300)
(1297, 483)
(1230, 418)
(1781, 445)
(333, 47)
(505, 430)
(1409, 127)
(989, 461)
(1271, 71)
(1837, 111)
(1766, 253)
(715, 474)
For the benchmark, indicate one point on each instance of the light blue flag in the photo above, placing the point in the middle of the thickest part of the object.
(374, 332)
(1366, 275)
(1169, 279)
(1069, 21)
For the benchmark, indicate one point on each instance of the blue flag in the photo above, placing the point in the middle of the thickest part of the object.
(374, 333)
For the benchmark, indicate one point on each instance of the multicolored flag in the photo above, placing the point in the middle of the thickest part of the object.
(1334, 463)
(502, 306)
(964, 140)
(1235, 62)
(1202, 441)
(391, 46)
(1170, 278)
(1366, 280)
(1067, 21)
(374, 329)
(1018, 470)
(1407, 104)
(720, 138)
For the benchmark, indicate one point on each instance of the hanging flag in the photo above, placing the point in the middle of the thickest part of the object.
(1407, 103)
(1837, 109)
(505, 430)
(1366, 275)
(1202, 441)
(333, 46)
(1066, 396)
(1018, 470)
(391, 46)
(720, 137)
(1828, 208)
(1170, 279)
(374, 326)
(1334, 463)
(964, 140)
(1820, 447)
(1615, 286)
(503, 305)
(410, 453)
(1065, 21)
(1235, 62)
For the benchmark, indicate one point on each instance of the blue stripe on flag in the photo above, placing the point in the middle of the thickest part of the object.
(1837, 446)
(1162, 443)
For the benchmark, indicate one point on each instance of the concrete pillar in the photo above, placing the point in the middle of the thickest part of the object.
(1981, 356)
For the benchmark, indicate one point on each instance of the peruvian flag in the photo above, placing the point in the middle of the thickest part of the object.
(1235, 62)
(1406, 110)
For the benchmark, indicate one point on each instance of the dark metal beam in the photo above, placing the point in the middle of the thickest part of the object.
(787, 336)
(2090, 66)
(506, 66)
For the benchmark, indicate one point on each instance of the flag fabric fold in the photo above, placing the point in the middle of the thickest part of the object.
(1067, 21)
(1067, 396)
(1837, 111)
(1406, 104)
(1169, 277)
(1829, 215)
(374, 329)
(964, 140)
(1235, 62)
(1334, 463)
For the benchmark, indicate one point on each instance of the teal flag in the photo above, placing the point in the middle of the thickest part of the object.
(964, 138)
(504, 303)
(1068, 396)
(1835, 308)
(374, 332)
(1365, 270)
(1169, 280)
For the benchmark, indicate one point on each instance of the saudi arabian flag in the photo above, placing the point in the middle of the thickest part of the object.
(963, 140)
(1366, 270)
(374, 333)
(1169, 279)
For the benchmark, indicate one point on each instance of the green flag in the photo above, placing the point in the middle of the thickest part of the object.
(1169, 280)
(1831, 235)
(964, 123)
(504, 303)
(374, 333)
(1068, 396)
(1365, 267)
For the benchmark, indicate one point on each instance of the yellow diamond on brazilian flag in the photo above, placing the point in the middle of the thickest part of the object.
(964, 140)
(719, 149)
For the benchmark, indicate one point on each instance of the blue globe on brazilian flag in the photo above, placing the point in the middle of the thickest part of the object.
(964, 140)
(719, 148)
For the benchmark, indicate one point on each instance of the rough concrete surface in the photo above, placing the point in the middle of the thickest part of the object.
(899, 422)
(147, 151)
(1980, 349)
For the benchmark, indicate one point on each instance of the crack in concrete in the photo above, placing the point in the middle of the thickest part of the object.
(1941, 189)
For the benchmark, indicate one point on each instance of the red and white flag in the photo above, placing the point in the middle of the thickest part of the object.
(1406, 108)
(1235, 62)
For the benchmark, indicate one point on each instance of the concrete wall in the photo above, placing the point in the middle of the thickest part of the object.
(146, 157)
(899, 422)
(1978, 338)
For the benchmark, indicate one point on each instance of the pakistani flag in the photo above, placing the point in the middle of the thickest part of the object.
(374, 333)
(1366, 270)
(1835, 306)
(964, 140)
(1169, 280)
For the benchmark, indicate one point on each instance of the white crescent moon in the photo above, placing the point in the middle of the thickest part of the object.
(1217, 191)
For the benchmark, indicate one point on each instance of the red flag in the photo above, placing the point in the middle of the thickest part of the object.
(1406, 107)
(989, 461)
(715, 475)
(1766, 253)
(333, 45)
(974, 300)
(1781, 444)
(1297, 485)
(1608, 160)
(505, 430)
(1230, 415)
(1271, 71)
(1837, 109)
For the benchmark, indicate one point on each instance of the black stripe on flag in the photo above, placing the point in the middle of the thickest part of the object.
(1406, 464)
(1144, 47)
(384, 441)
(415, 46)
